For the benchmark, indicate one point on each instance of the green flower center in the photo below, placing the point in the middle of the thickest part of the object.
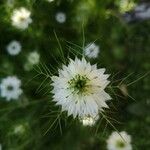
(9, 88)
(120, 144)
(79, 84)
(22, 19)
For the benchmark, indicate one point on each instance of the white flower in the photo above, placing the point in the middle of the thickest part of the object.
(89, 121)
(14, 48)
(0, 147)
(126, 5)
(33, 58)
(91, 50)
(60, 17)
(145, 14)
(19, 129)
(50, 0)
(10, 88)
(140, 7)
(79, 88)
(119, 142)
(21, 18)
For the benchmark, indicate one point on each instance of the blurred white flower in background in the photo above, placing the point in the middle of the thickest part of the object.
(50, 0)
(14, 48)
(83, 11)
(91, 50)
(143, 11)
(89, 121)
(10, 88)
(19, 129)
(0, 147)
(140, 7)
(33, 58)
(79, 88)
(60, 17)
(121, 141)
(21, 18)
(126, 5)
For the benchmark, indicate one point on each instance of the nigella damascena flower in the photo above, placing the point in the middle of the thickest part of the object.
(14, 48)
(126, 5)
(50, 0)
(91, 50)
(19, 129)
(121, 141)
(21, 18)
(60, 17)
(89, 121)
(79, 88)
(33, 58)
(10, 88)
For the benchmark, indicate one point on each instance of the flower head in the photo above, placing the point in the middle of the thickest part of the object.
(33, 58)
(10, 88)
(119, 142)
(91, 50)
(21, 18)
(60, 17)
(89, 121)
(14, 48)
(50, 0)
(79, 88)
(126, 5)
(19, 129)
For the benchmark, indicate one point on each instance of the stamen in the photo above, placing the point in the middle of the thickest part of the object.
(79, 84)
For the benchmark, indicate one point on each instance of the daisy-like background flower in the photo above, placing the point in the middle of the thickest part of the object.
(33, 58)
(119, 141)
(60, 17)
(50, 0)
(89, 121)
(126, 5)
(14, 48)
(91, 50)
(19, 129)
(80, 88)
(21, 18)
(10, 88)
